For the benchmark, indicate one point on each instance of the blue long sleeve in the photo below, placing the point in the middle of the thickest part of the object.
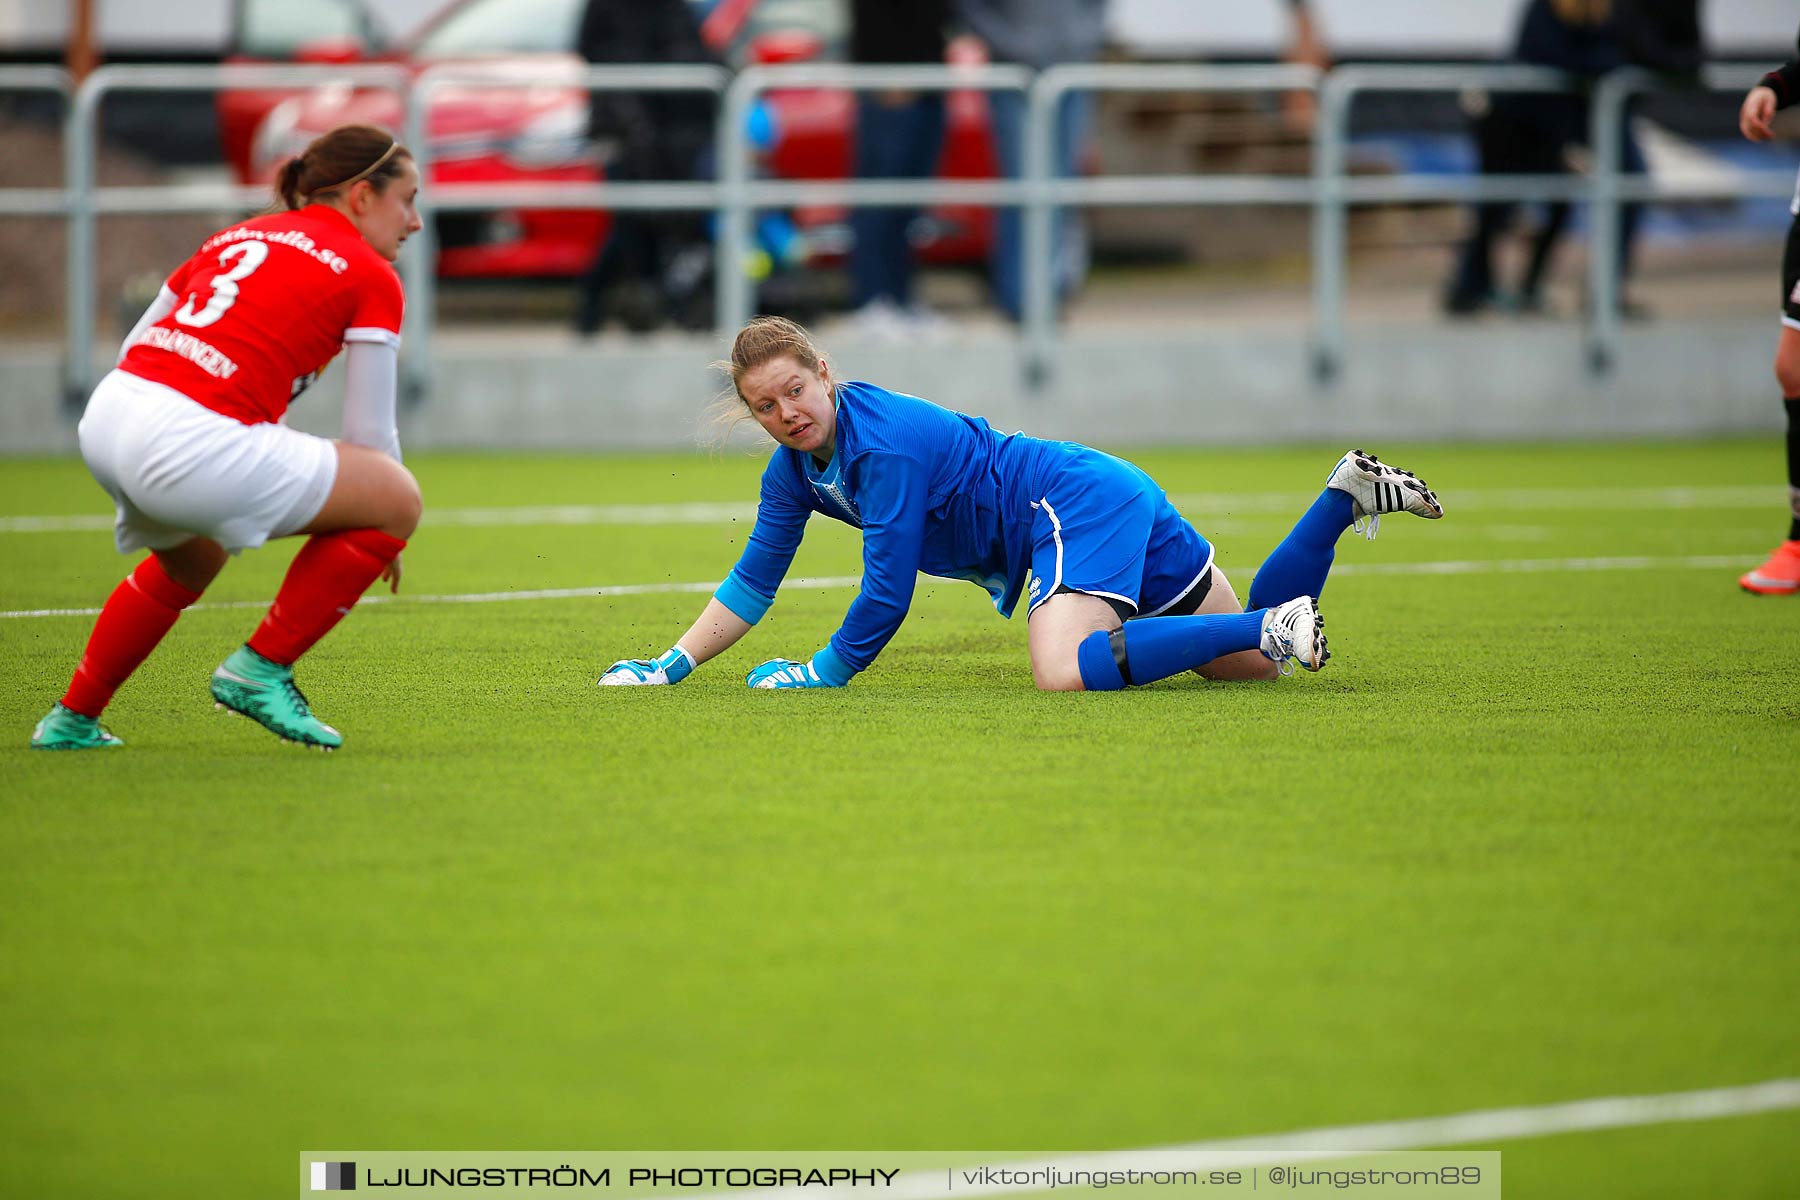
(781, 513)
(892, 494)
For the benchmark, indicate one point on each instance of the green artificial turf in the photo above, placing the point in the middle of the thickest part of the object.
(1532, 836)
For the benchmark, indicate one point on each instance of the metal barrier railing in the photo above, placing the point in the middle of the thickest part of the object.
(1046, 193)
(1336, 191)
(421, 295)
(1604, 189)
(86, 202)
(736, 196)
(35, 201)
(1611, 189)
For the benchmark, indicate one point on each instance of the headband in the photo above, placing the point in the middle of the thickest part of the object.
(362, 174)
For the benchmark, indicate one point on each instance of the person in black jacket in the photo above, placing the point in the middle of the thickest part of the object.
(1531, 133)
(1662, 36)
(645, 136)
(1780, 88)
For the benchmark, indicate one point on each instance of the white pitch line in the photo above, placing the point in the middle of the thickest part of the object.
(1541, 1120)
(820, 583)
(1476, 1128)
(1723, 496)
(826, 582)
(1510, 499)
(532, 514)
(1527, 566)
(1694, 562)
(598, 514)
(83, 523)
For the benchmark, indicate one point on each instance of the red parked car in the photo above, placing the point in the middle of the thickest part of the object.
(517, 134)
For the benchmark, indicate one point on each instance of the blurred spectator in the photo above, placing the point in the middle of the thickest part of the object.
(1662, 36)
(653, 265)
(1307, 48)
(899, 135)
(1038, 34)
(779, 252)
(1532, 133)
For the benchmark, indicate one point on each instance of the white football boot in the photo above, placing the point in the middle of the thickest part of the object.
(1295, 632)
(1376, 488)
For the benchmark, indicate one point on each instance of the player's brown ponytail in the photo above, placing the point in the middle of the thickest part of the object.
(287, 183)
(337, 159)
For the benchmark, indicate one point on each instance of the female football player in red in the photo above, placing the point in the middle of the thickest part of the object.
(186, 434)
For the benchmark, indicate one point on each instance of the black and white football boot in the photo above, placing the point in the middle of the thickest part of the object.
(1375, 488)
(1295, 632)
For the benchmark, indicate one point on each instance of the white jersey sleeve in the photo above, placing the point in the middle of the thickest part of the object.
(162, 306)
(371, 396)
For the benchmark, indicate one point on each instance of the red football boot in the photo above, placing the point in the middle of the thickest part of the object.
(1780, 576)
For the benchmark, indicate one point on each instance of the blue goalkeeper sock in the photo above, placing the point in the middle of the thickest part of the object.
(1299, 565)
(1158, 647)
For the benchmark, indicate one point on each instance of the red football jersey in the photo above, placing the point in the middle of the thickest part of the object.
(263, 307)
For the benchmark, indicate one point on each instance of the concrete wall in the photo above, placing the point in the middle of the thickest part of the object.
(1234, 385)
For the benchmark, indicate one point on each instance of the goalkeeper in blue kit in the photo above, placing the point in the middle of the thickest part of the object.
(1119, 588)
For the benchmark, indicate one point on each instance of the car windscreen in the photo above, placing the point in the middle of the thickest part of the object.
(487, 27)
(278, 28)
(828, 20)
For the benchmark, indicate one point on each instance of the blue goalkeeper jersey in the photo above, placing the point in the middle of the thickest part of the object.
(932, 490)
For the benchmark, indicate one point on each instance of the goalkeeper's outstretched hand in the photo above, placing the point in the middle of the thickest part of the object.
(672, 667)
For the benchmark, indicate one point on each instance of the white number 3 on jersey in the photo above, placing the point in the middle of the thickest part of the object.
(224, 285)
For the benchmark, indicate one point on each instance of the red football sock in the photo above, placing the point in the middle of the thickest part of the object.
(141, 610)
(327, 578)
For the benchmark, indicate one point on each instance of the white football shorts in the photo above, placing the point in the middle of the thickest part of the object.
(177, 470)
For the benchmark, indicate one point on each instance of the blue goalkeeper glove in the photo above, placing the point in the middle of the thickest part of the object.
(672, 667)
(825, 670)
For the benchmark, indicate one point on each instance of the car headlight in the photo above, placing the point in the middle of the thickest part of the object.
(278, 138)
(557, 138)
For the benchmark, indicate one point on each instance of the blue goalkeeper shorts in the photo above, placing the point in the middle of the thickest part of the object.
(1104, 528)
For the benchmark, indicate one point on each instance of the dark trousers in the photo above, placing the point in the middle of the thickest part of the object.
(637, 257)
(1530, 136)
(893, 141)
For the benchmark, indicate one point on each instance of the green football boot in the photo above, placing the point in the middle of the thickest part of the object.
(252, 686)
(66, 729)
